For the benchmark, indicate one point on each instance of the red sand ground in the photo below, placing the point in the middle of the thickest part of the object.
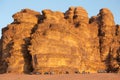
(100, 76)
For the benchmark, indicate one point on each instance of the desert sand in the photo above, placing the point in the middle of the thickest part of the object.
(100, 76)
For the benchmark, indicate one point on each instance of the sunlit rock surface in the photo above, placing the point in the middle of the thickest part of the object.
(58, 42)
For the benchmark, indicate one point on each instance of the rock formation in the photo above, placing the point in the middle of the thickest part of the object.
(60, 42)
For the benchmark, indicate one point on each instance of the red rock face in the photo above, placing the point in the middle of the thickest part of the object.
(60, 42)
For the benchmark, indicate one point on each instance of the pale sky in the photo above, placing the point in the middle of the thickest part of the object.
(9, 7)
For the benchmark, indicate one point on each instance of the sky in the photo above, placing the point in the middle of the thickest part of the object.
(9, 7)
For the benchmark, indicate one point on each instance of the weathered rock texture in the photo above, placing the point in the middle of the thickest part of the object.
(60, 42)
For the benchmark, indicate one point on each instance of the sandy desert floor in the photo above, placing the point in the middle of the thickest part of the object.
(100, 76)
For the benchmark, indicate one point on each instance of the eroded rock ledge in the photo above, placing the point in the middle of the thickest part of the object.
(60, 42)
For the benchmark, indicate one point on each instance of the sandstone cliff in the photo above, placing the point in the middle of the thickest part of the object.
(60, 42)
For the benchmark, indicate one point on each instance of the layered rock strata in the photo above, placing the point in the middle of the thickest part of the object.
(60, 42)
